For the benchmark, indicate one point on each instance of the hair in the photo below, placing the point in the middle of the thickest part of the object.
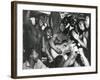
(78, 28)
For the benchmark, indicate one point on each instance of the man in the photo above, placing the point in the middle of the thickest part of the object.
(48, 32)
(33, 62)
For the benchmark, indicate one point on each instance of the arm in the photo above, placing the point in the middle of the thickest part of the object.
(44, 49)
(70, 60)
(82, 42)
(72, 57)
(51, 42)
(83, 58)
(43, 44)
(52, 45)
(49, 55)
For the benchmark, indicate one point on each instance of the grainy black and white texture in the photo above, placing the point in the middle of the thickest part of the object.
(56, 39)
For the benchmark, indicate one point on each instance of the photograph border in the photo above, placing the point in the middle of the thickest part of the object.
(14, 37)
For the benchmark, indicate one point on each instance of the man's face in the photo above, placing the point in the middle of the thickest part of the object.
(49, 33)
(34, 55)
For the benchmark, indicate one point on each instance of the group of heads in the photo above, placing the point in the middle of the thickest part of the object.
(79, 21)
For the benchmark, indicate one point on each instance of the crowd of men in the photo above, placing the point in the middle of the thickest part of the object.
(55, 39)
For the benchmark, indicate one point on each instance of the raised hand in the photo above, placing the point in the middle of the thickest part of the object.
(75, 35)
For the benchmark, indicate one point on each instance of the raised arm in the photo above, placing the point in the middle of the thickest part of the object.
(70, 60)
(83, 58)
(53, 46)
(83, 42)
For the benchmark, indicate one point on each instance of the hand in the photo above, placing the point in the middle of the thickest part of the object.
(75, 35)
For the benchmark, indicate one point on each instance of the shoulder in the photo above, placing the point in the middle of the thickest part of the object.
(40, 64)
(26, 65)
